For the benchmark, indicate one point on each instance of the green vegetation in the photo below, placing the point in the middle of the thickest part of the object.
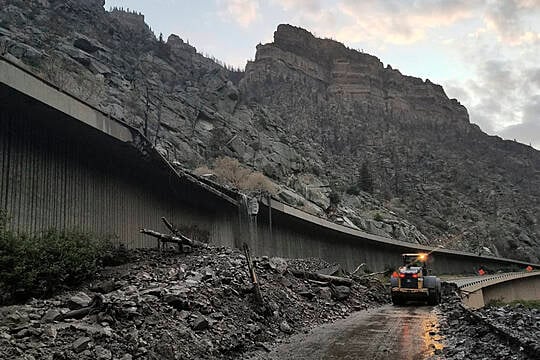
(42, 264)
(364, 182)
(334, 198)
(526, 303)
(377, 217)
(353, 190)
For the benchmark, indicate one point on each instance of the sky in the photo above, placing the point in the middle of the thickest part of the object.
(485, 53)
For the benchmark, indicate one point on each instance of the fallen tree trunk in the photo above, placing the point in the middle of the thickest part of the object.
(358, 268)
(253, 276)
(370, 275)
(320, 277)
(170, 226)
(95, 305)
(180, 239)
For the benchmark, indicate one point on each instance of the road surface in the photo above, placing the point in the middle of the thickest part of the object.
(389, 332)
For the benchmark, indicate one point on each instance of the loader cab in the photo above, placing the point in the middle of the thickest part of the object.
(413, 261)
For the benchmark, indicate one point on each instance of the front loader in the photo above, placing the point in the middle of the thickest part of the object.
(412, 281)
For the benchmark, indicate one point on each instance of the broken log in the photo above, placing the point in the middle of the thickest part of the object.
(253, 276)
(370, 275)
(180, 239)
(319, 283)
(320, 277)
(358, 268)
(170, 226)
(95, 305)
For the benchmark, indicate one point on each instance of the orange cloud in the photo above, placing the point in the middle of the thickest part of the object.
(243, 12)
(399, 22)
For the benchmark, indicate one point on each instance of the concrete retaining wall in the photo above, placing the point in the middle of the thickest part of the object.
(296, 234)
(518, 289)
(55, 172)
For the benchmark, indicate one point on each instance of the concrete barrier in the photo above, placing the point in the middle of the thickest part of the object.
(480, 290)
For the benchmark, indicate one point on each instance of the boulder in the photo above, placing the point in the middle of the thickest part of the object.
(51, 315)
(200, 323)
(341, 292)
(102, 354)
(81, 344)
(278, 264)
(86, 44)
(285, 327)
(79, 300)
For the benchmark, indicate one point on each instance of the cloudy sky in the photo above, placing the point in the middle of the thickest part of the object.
(486, 53)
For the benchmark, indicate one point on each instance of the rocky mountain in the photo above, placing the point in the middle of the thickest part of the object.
(338, 134)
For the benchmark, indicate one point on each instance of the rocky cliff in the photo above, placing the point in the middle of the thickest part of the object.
(315, 117)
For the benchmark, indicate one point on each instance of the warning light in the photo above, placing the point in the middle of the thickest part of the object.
(529, 268)
(481, 272)
(395, 274)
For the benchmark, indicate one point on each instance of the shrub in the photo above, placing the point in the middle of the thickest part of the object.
(231, 172)
(353, 190)
(365, 182)
(334, 198)
(41, 264)
(377, 217)
(257, 181)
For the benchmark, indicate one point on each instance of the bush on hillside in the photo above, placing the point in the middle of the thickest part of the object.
(41, 264)
(230, 171)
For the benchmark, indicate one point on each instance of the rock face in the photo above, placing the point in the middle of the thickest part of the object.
(308, 113)
(434, 168)
(352, 79)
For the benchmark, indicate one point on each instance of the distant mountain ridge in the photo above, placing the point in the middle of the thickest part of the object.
(309, 113)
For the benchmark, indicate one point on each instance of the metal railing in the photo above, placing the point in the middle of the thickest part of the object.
(474, 283)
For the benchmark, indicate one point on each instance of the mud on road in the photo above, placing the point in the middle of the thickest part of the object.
(388, 332)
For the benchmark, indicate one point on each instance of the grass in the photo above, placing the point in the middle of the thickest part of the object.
(531, 304)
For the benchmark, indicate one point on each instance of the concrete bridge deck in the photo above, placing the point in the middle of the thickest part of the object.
(478, 291)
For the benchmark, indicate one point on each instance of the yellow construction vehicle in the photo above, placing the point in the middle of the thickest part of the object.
(412, 281)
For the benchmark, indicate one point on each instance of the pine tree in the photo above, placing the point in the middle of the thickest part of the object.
(365, 182)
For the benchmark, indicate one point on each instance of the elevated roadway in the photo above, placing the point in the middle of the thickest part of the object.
(478, 291)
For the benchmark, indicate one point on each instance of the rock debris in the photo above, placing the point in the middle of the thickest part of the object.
(178, 306)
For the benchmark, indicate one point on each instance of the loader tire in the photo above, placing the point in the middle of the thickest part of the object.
(434, 297)
(397, 300)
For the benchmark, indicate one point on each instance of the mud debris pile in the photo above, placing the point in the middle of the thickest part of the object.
(178, 306)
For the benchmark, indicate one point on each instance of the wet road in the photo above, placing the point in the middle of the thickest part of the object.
(407, 332)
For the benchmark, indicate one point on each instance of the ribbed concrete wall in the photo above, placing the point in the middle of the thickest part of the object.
(296, 237)
(54, 173)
